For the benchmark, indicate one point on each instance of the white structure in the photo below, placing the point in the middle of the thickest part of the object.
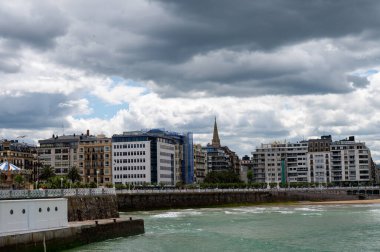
(296, 162)
(267, 162)
(316, 160)
(350, 161)
(60, 152)
(319, 163)
(139, 158)
(32, 215)
(131, 162)
(165, 161)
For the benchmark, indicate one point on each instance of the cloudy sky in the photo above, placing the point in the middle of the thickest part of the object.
(268, 70)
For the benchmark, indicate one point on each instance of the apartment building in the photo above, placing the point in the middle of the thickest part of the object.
(60, 152)
(95, 159)
(297, 162)
(22, 155)
(200, 163)
(316, 160)
(267, 162)
(350, 161)
(319, 159)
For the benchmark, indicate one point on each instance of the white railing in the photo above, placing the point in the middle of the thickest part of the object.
(197, 190)
(54, 193)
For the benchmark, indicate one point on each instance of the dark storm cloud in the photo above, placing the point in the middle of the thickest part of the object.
(358, 81)
(265, 24)
(33, 23)
(218, 48)
(33, 111)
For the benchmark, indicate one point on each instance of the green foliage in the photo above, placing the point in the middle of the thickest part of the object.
(3, 177)
(120, 186)
(250, 176)
(179, 184)
(109, 185)
(73, 174)
(92, 185)
(222, 177)
(19, 179)
(47, 172)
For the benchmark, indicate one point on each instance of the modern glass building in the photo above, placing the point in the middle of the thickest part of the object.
(153, 156)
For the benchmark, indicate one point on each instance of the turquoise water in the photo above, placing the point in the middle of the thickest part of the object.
(261, 228)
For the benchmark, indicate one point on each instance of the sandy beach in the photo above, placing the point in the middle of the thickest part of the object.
(371, 201)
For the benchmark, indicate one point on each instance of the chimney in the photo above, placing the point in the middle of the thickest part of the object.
(88, 132)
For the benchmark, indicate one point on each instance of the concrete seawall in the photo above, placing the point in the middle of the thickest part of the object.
(78, 233)
(152, 201)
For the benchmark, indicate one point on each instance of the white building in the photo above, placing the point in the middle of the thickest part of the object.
(316, 160)
(60, 152)
(350, 161)
(131, 162)
(139, 158)
(267, 162)
(319, 163)
(296, 162)
(270, 159)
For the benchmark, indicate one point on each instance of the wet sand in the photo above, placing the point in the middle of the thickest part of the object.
(371, 201)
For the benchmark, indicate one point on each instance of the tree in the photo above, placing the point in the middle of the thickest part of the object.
(222, 177)
(47, 172)
(19, 179)
(73, 174)
(250, 176)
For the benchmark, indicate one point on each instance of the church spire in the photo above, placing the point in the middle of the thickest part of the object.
(215, 136)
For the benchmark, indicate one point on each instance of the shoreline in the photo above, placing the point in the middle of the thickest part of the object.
(341, 202)
(284, 203)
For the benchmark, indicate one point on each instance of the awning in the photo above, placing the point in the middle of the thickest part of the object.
(5, 166)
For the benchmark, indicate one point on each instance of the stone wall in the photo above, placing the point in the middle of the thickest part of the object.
(65, 238)
(82, 208)
(147, 201)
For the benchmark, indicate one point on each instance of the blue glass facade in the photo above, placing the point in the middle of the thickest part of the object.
(187, 163)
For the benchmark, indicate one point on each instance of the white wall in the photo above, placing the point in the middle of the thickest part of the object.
(119, 174)
(165, 158)
(32, 214)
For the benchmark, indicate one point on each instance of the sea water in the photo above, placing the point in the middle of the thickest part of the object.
(256, 228)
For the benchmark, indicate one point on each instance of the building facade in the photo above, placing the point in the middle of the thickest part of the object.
(95, 159)
(315, 160)
(20, 154)
(350, 161)
(267, 162)
(220, 158)
(246, 168)
(319, 159)
(60, 152)
(200, 163)
(152, 157)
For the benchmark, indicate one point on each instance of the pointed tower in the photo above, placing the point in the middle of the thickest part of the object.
(215, 136)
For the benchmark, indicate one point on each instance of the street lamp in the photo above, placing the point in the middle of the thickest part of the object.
(97, 178)
(61, 182)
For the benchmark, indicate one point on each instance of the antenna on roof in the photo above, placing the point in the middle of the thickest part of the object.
(63, 129)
